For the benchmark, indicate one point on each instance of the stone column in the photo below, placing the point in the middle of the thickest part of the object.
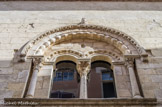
(33, 81)
(133, 81)
(83, 68)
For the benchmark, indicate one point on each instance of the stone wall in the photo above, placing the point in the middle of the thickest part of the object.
(18, 27)
(48, 5)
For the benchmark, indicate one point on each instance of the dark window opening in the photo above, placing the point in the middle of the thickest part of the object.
(108, 90)
(59, 94)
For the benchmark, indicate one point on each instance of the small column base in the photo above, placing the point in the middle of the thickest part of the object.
(29, 96)
(137, 96)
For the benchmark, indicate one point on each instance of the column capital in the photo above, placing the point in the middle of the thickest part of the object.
(129, 60)
(37, 61)
(83, 66)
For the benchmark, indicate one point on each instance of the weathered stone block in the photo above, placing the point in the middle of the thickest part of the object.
(156, 78)
(118, 70)
(40, 79)
(124, 93)
(22, 66)
(149, 93)
(6, 70)
(158, 71)
(41, 93)
(45, 72)
(23, 76)
(16, 86)
(5, 63)
(124, 85)
(158, 93)
(122, 78)
(144, 78)
(6, 94)
(7, 78)
(150, 86)
(3, 85)
(17, 94)
(39, 85)
(146, 71)
(46, 82)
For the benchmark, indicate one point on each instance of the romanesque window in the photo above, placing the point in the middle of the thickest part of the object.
(65, 84)
(101, 81)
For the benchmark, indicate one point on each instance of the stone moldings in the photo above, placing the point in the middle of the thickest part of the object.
(52, 56)
(146, 102)
(125, 43)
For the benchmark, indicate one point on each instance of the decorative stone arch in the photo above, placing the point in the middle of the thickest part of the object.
(126, 44)
(102, 58)
(64, 54)
(128, 47)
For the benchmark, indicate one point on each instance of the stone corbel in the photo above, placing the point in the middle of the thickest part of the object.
(18, 57)
(144, 55)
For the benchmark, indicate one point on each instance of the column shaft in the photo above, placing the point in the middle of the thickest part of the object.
(31, 89)
(83, 87)
(134, 85)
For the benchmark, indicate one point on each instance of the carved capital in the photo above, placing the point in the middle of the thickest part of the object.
(36, 63)
(129, 62)
(83, 67)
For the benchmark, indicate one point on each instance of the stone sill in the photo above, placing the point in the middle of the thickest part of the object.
(80, 102)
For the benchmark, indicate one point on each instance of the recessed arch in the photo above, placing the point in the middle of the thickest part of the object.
(102, 58)
(64, 58)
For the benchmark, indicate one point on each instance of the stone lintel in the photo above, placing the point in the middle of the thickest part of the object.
(48, 63)
(118, 63)
(35, 56)
(82, 102)
(131, 56)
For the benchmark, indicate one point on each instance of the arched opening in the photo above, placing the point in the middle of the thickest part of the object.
(65, 80)
(101, 80)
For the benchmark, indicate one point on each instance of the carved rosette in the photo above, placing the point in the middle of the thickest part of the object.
(83, 67)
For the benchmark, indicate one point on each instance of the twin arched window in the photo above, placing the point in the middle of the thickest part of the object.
(66, 81)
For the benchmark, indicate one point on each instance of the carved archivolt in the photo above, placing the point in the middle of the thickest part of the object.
(80, 34)
(54, 54)
(125, 43)
(87, 31)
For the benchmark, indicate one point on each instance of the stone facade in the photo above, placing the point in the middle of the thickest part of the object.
(32, 42)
